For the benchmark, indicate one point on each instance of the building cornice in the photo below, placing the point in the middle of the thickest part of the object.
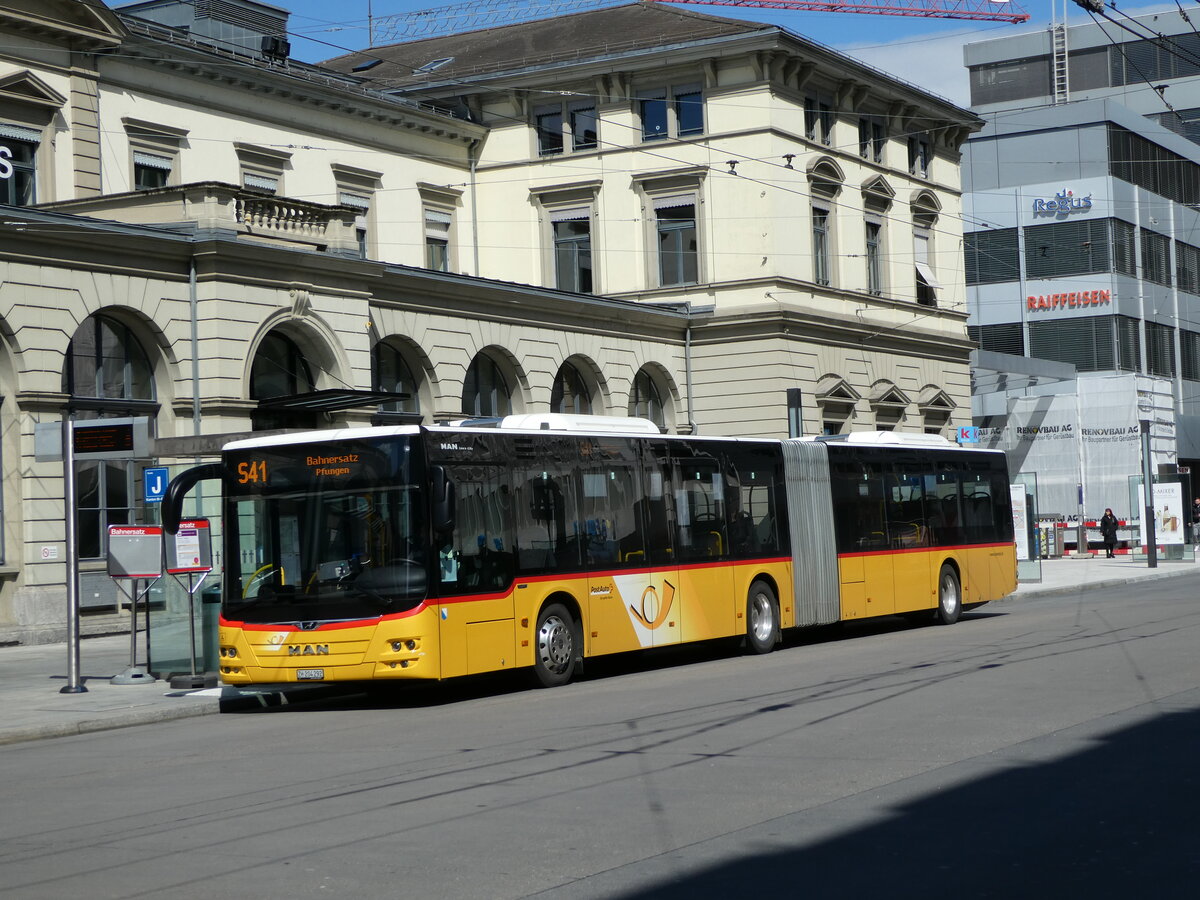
(82, 25)
(769, 322)
(778, 58)
(298, 85)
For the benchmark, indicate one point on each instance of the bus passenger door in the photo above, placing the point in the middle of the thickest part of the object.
(911, 534)
(702, 548)
(475, 570)
(632, 582)
(863, 540)
(614, 551)
(660, 611)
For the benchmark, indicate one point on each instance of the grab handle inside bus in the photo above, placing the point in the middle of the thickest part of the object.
(442, 501)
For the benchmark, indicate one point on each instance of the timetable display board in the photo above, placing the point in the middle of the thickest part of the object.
(135, 551)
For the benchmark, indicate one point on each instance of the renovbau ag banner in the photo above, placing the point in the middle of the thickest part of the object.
(1111, 441)
(1039, 437)
(1090, 439)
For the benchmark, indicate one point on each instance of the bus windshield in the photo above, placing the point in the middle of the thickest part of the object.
(317, 537)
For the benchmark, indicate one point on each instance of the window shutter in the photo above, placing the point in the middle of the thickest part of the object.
(674, 202)
(572, 214)
(152, 160)
(19, 133)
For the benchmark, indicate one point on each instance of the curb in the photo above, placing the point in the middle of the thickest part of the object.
(91, 726)
(1036, 591)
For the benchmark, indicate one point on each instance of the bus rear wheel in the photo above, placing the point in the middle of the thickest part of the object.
(949, 606)
(762, 618)
(557, 646)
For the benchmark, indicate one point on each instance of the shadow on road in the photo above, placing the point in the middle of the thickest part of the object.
(1116, 820)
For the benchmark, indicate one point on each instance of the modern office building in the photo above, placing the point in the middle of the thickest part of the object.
(1082, 246)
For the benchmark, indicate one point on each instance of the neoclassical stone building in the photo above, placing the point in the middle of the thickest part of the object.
(683, 221)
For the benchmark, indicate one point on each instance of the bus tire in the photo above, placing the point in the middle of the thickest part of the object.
(762, 619)
(950, 605)
(556, 646)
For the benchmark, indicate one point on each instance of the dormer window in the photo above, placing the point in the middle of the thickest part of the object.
(433, 65)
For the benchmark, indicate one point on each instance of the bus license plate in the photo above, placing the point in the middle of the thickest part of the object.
(310, 674)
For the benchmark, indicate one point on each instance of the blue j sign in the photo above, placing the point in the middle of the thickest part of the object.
(967, 434)
(155, 481)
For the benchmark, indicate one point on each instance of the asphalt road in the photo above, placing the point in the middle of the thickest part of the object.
(1038, 748)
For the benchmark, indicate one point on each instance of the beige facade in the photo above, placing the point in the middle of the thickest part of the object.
(761, 133)
(207, 209)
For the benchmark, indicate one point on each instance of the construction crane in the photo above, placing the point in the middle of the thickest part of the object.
(485, 13)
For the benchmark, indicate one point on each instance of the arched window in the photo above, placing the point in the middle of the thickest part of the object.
(645, 401)
(280, 370)
(925, 212)
(825, 182)
(570, 395)
(485, 389)
(877, 196)
(107, 375)
(391, 372)
(106, 363)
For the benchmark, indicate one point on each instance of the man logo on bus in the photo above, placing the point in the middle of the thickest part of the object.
(652, 614)
(308, 649)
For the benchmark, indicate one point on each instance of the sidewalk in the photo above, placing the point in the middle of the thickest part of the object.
(31, 676)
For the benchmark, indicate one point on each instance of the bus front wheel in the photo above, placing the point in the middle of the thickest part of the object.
(949, 606)
(557, 646)
(762, 619)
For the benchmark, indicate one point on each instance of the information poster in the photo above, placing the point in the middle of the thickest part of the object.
(1020, 514)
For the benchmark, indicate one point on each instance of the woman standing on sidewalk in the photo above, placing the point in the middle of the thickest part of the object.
(1108, 531)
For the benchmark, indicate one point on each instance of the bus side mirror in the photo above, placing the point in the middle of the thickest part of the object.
(172, 503)
(442, 501)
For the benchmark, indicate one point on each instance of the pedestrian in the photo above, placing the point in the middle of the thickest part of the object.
(1196, 521)
(1108, 532)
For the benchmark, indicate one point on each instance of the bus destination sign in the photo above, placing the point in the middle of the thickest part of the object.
(332, 466)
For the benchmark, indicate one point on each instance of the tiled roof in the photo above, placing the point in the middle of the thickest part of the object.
(578, 36)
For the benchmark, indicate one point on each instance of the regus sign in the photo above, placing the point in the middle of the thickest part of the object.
(1064, 203)
(6, 168)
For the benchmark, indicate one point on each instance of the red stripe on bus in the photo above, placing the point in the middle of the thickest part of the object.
(500, 595)
(941, 548)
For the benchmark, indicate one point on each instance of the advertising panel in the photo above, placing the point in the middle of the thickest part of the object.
(1168, 513)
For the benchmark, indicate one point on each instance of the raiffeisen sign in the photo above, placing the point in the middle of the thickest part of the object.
(1064, 204)
(6, 167)
(1068, 301)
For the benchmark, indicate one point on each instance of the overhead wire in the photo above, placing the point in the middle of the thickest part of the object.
(775, 185)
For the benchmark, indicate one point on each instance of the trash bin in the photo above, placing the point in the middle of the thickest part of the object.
(1051, 540)
(210, 611)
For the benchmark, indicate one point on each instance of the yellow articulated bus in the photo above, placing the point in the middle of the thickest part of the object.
(538, 542)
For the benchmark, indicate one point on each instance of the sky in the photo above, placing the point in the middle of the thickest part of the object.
(926, 52)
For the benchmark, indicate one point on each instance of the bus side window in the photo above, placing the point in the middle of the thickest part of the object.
(754, 486)
(701, 505)
(546, 521)
(858, 503)
(479, 556)
(907, 523)
(657, 514)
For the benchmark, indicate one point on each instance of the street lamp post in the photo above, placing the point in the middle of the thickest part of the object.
(1148, 494)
